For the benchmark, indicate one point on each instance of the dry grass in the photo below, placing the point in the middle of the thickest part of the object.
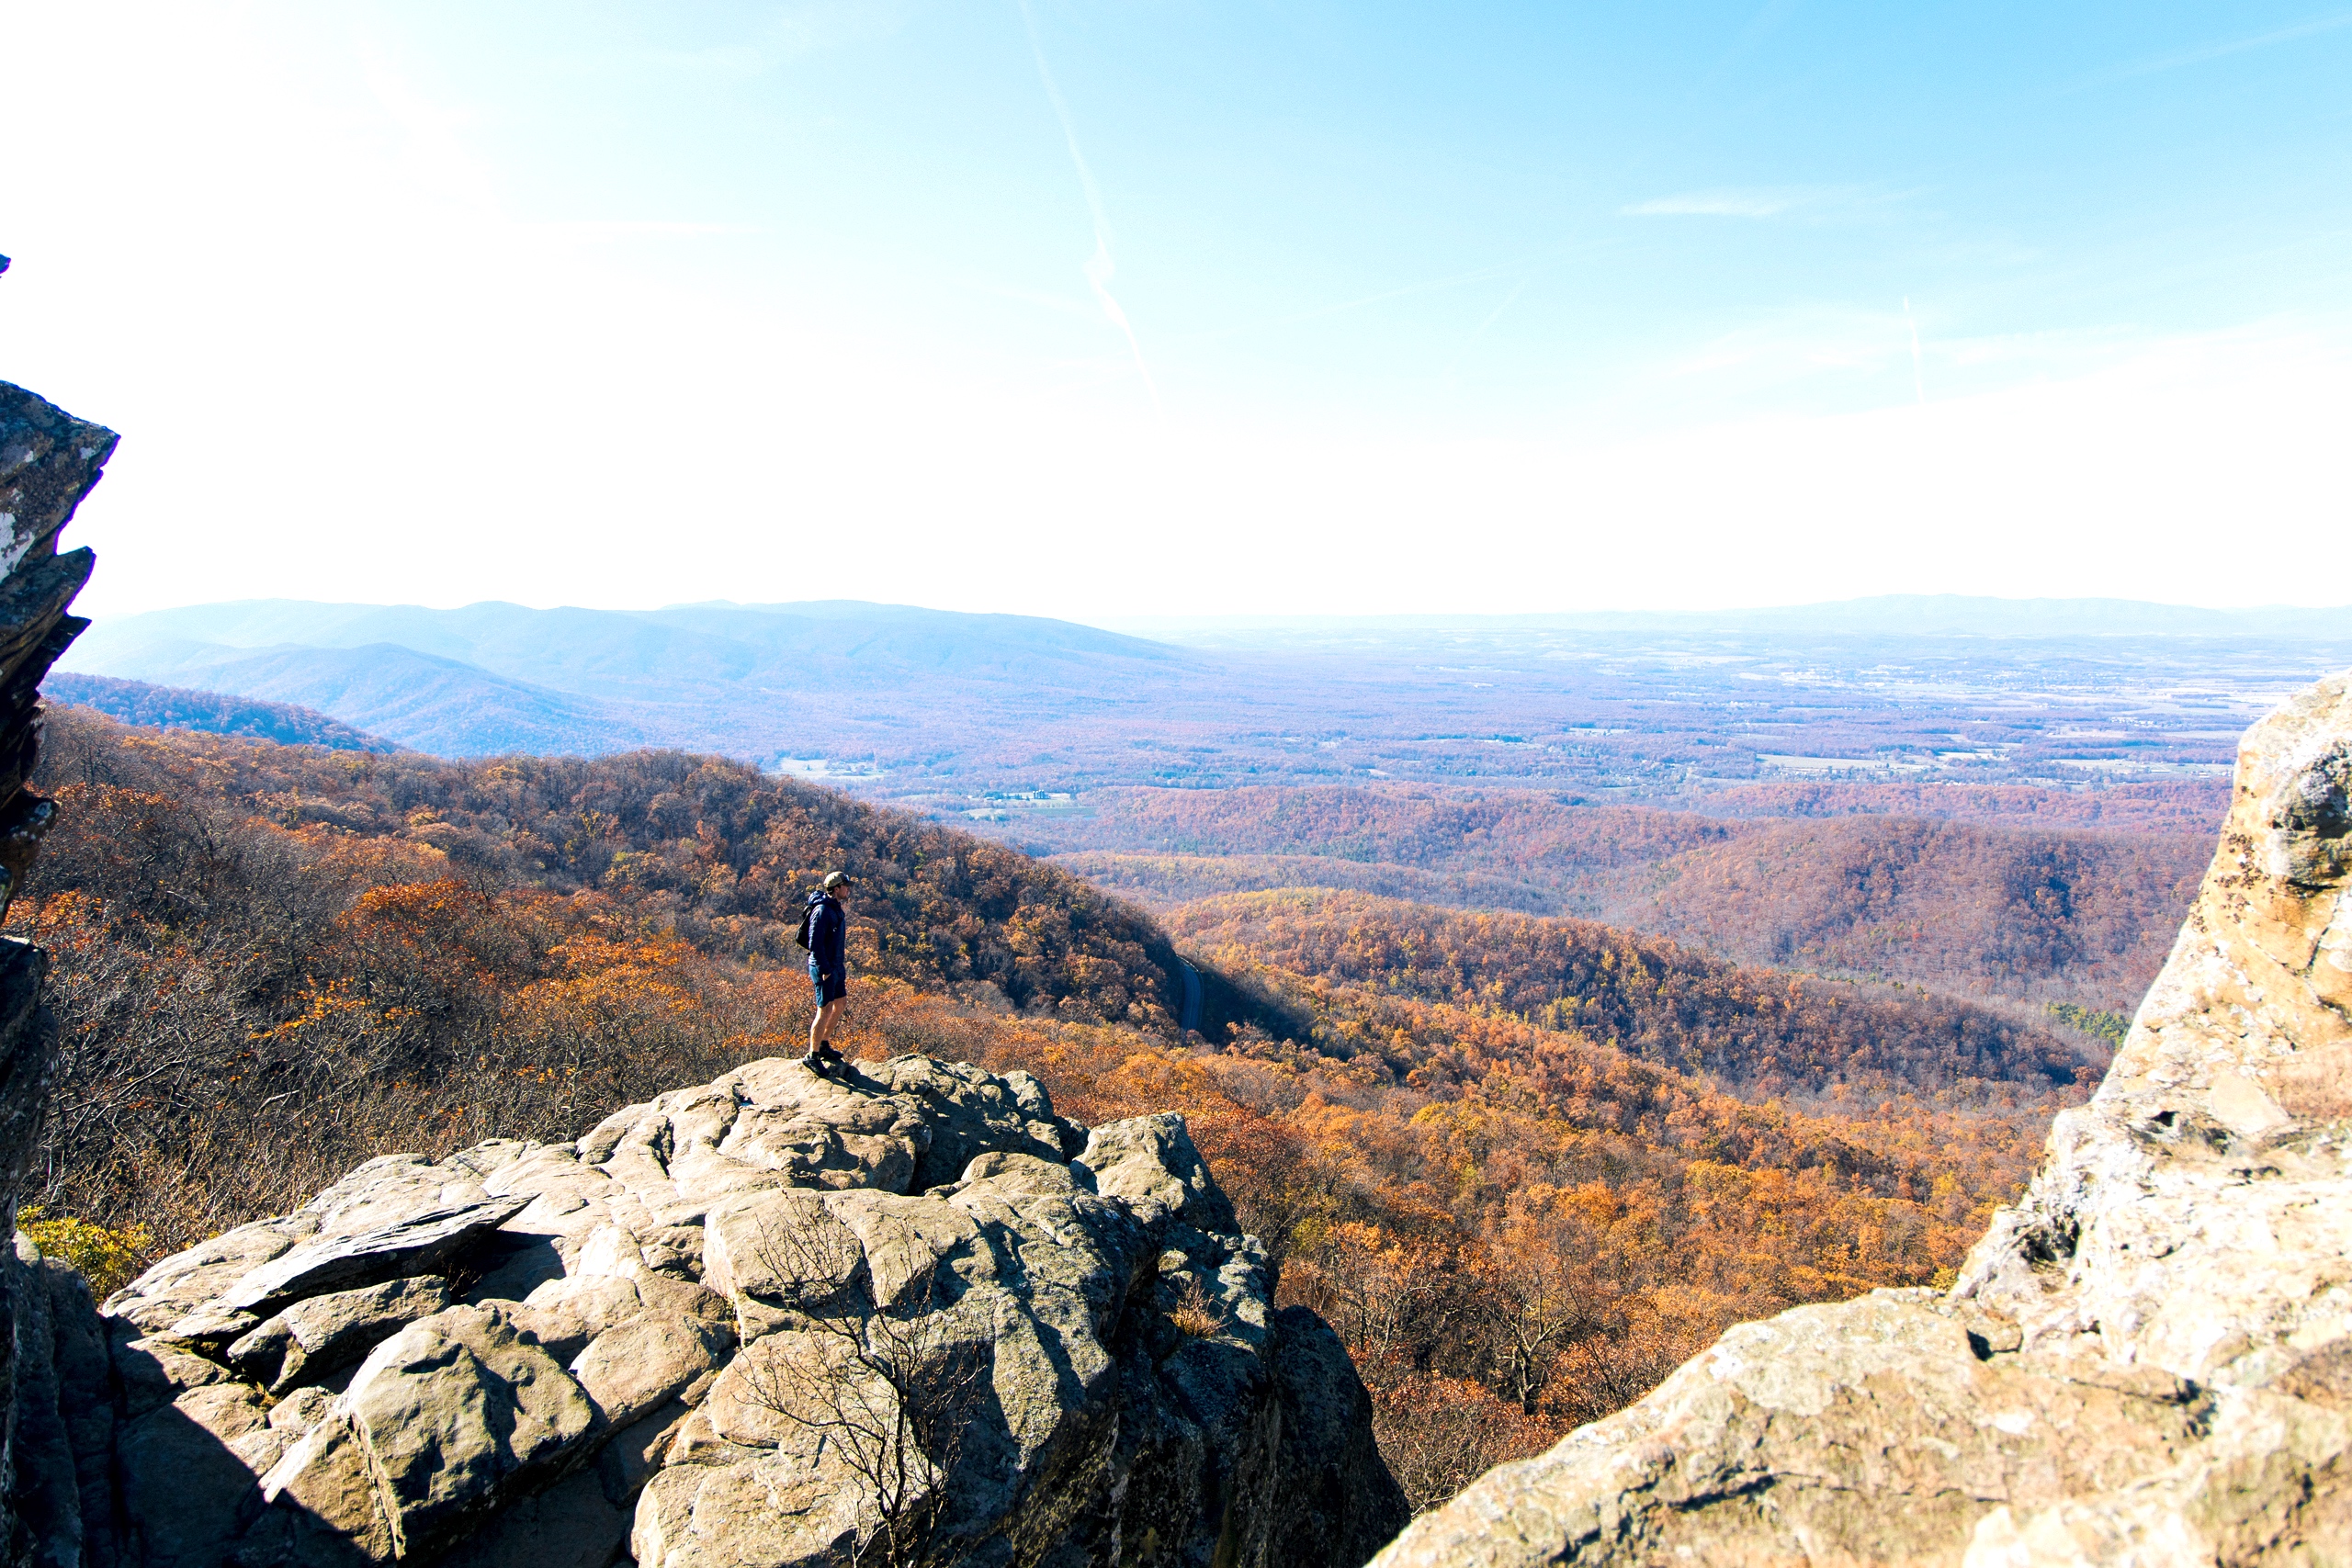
(1196, 1315)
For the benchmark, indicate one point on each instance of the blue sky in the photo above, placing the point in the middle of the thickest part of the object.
(1127, 309)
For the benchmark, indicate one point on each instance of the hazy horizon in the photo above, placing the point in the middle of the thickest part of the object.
(1127, 624)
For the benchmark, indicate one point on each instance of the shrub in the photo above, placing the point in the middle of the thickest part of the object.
(109, 1259)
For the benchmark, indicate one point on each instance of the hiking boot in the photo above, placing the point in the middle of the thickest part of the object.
(814, 1062)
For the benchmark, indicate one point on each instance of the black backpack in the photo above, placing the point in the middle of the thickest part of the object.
(808, 914)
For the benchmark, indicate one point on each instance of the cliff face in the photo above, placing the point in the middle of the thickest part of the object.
(902, 1314)
(49, 460)
(2148, 1360)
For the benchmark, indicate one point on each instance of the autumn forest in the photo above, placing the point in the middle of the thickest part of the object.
(1529, 1099)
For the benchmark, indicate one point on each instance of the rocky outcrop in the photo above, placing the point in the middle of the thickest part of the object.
(2148, 1360)
(778, 1318)
(49, 460)
(905, 1314)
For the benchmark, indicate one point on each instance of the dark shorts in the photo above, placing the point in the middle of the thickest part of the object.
(829, 989)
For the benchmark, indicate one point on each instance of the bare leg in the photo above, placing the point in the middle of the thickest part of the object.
(821, 1027)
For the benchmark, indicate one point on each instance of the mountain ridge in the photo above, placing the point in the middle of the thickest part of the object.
(179, 707)
(1932, 614)
(609, 653)
(760, 683)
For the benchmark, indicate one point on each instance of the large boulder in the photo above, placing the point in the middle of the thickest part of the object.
(447, 1418)
(768, 1319)
(2148, 1360)
(313, 1339)
(1338, 1499)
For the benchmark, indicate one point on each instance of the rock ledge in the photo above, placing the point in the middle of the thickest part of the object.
(2148, 1360)
(758, 1321)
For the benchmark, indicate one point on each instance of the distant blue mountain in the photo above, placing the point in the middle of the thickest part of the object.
(620, 653)
(495, 677)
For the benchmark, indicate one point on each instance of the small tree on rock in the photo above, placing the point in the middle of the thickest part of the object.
(889, 1390)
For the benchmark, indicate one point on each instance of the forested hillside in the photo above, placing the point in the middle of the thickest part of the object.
(714, 851)
(176, 707)
(1488, 1149)
(251, 937)
(2023, 913)
(2192, 807)
(1761, 1033)
(2007, 897)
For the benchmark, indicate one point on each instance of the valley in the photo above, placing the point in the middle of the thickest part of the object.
(1704, 986)
(1525, 1163)
(955, 712)
(2007, 894)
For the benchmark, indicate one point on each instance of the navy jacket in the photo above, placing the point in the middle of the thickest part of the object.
(827, 929)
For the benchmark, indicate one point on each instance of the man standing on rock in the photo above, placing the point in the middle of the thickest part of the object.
(825, 933)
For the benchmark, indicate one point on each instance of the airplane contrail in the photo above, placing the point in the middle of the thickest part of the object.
(1918, 375)
(2204, 53)
(1098, 266)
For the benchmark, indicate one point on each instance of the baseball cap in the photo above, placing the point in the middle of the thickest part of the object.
(839, 879)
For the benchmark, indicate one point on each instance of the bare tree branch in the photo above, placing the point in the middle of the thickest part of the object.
(889, 1391)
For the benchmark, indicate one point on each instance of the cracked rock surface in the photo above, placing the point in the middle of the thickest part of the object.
(50, 1449)
(662, 1342)
(2146, 1362)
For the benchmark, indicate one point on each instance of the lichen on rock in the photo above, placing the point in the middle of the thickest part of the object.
(2145, 1362)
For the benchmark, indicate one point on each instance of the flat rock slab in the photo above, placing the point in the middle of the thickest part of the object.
(420, 1243)
(639, 1366)
(187, 1281)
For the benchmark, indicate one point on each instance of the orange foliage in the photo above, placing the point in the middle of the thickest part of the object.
(1477, 1146)
(2036, 894)
(1764, 1031)
(1500, 1268)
